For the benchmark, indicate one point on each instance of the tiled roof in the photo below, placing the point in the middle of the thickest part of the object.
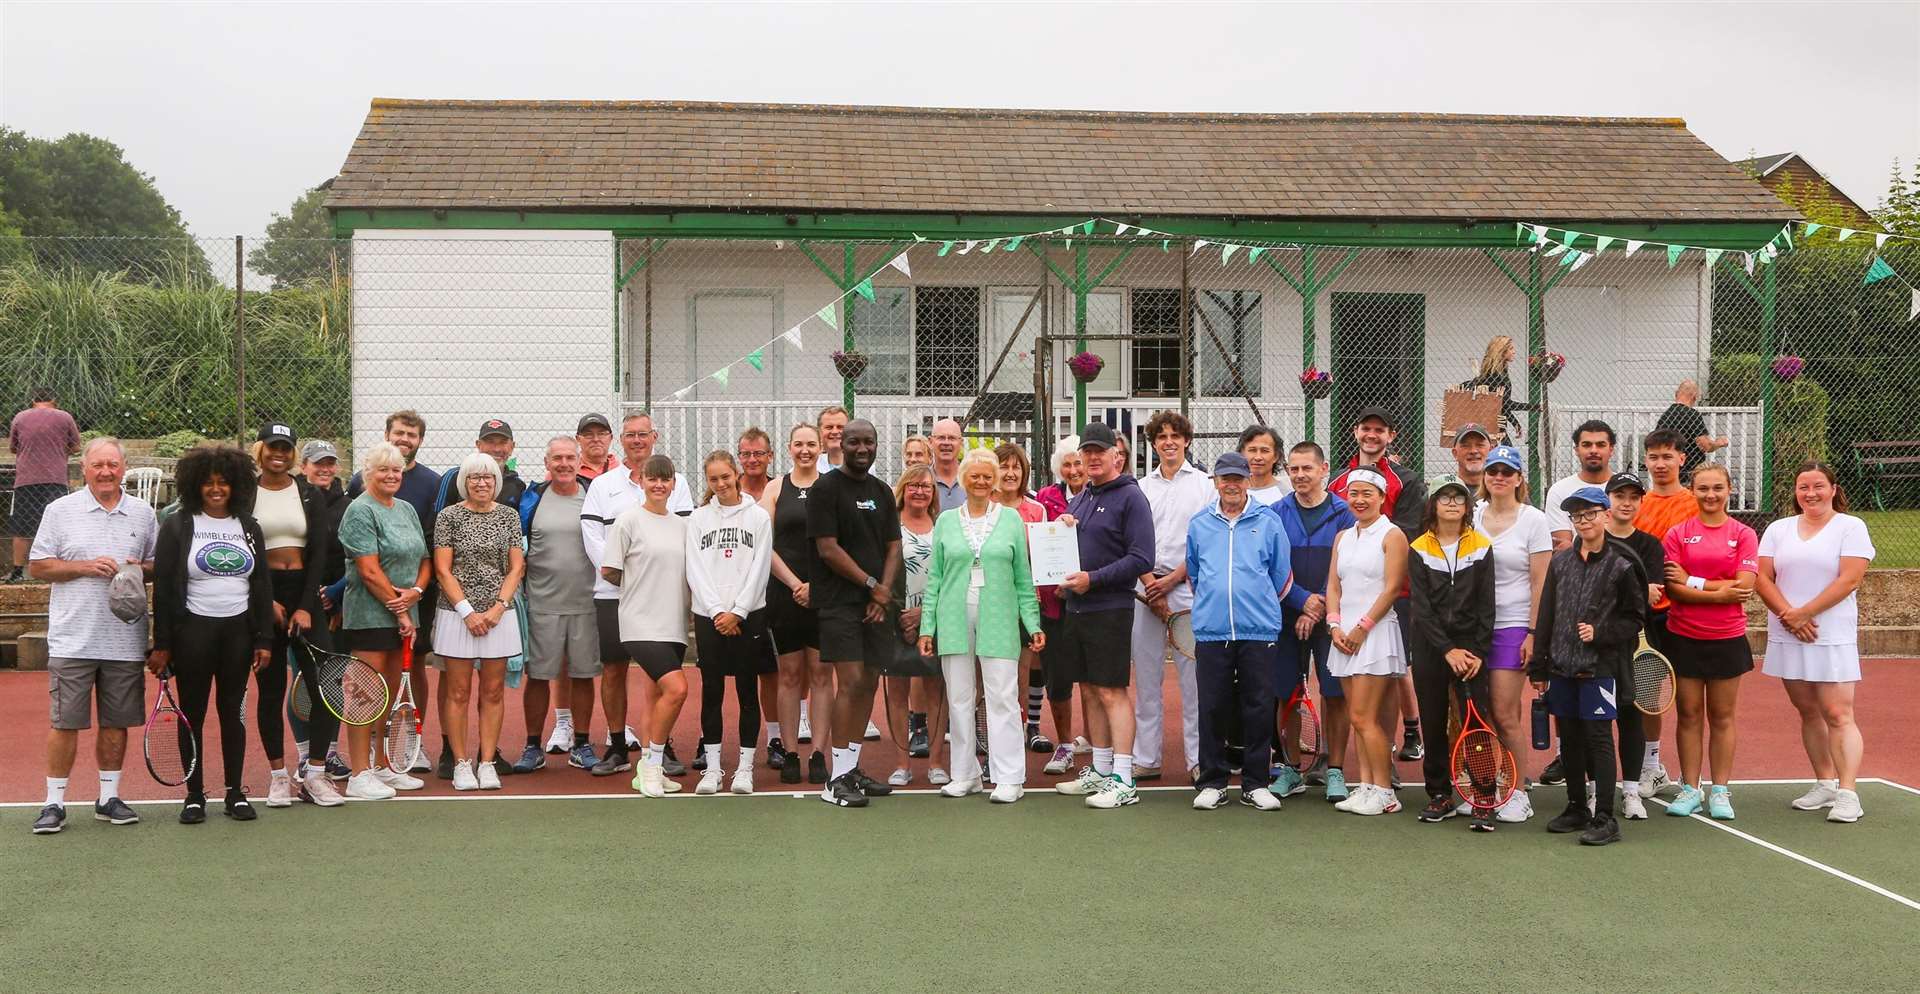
(649, 156)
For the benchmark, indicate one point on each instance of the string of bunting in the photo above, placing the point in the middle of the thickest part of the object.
(1561, 242)
(1882, 270)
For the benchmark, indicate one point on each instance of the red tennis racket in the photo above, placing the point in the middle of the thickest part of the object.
(403, 723)
(1301, 745)
(1484, 771)
(168, 742)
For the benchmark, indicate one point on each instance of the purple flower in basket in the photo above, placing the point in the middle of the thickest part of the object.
(1316, 383)
(1086, 366)
(1789, 367)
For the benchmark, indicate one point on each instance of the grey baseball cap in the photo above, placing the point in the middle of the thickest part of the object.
(318, 449)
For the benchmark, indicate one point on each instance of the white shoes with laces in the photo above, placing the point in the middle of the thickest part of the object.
(463, 778)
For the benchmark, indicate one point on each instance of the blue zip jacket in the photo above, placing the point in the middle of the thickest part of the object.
(1115, 535)
(1312, 551)
(1240, 570)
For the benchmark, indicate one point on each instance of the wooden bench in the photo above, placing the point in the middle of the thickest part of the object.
(1878, 462)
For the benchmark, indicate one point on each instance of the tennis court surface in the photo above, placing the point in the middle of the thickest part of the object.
(566, 882)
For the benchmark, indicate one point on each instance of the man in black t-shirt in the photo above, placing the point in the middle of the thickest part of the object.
(856, 532)
(1684, 420)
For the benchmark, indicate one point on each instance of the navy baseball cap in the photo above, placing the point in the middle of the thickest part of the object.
(1587, 496)
(1231, 464)
(1097, 435)
(1508, 456)
(495, 426)
(276, 432)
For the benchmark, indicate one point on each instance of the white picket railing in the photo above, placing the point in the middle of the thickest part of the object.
(1741, 426)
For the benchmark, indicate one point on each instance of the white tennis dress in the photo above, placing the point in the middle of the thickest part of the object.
(1363, 575)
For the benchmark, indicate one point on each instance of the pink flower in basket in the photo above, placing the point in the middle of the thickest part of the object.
(1315, 383)
(1546, 366)
(1789, 367)
(1086, 366)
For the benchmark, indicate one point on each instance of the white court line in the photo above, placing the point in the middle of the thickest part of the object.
(1798, 858)
(1890, 783)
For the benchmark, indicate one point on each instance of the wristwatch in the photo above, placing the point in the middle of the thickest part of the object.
(871, 582)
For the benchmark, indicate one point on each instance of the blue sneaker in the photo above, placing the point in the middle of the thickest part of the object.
(531, 758)
(1687, 802)
(1719, 803)
(1287, 782)
(582, 757)
(1336, 785)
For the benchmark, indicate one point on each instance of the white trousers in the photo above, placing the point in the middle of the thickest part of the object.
(1150, 653)
(1006, 751)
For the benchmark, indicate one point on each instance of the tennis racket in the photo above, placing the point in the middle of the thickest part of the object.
(1652, 679)
(1179, 630)
(299, 701)
(1301, 749)
(403, 722)
(350, 688)
(171, 756)
(1484, 772)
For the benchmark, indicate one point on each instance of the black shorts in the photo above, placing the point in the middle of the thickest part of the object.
(1708, 659)
(845, 637)
(657, 658)
(29, 503)
(1099, 647)
(376, 640)
(793, 627)
(606, 618)
(747, 654)
(1059, 685)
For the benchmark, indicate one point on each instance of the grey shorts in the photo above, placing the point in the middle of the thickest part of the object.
(563, 641)
(121, 685)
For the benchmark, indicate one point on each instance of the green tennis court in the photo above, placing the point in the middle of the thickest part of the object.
(920, 893)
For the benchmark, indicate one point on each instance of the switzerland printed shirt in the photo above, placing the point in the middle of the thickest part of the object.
(1717, 552)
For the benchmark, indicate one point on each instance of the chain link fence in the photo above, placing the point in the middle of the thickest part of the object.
(1020, 338)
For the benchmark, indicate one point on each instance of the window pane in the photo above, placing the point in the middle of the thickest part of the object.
(946, 342)
(1006, 307)
(1233, 318)
(884, 331)
(1156, 363)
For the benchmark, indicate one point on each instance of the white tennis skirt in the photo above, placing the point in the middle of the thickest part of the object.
(1797, 660)
(1383, 653)
(451, 640)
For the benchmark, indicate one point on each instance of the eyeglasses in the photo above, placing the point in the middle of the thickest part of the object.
(1582, 517)
(1450, 499)
(755, 453)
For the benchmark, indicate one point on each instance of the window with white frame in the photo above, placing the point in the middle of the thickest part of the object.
(883, 329)
(1156, 361)
(1226, 333)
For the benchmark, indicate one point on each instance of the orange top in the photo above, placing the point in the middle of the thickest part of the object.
(1658, 514)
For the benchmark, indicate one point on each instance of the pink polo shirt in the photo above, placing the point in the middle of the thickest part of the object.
(42, 438)
(1720, 552)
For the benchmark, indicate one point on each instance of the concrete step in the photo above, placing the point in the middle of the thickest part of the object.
(31, 651)
(1875, 640)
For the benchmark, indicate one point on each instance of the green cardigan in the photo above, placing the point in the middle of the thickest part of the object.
(1009, 585)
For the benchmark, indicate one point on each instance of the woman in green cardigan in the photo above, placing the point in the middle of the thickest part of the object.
(979, 596)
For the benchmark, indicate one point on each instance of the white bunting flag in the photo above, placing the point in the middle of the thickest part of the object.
(1584, 258)
(1202, 243)
(1539, 233)
(1914, 311)
(966, 247)
(990, 246)
(1119, 229)
(1556, 250)
(792, 337)
(681, 394)
(900, 262)
(1880, 240)
(1748, 256)
(1226, 253)
(1632, 247)
(1846, 233)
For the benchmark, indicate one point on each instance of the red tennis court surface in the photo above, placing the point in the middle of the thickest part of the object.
(1769, 746)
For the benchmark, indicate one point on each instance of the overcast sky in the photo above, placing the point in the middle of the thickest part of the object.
(234, 109)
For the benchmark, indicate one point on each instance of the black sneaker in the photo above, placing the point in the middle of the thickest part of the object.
(1316, 776)
(919, 744)
(1438, 809)
(1601, 831)
(699, 755)
(337, 770)
(52, 819)
(844, 792)
(868, 785)
(444, 768)
(671, 765)
(1037, 742)
(500, 765)
(239, 808)
(1411, 749)
(115, 812)
(791, 769)
(776, 754)
(1480, 822)
(194, 811)
(615, 761)
(817, 768)
(1574, 819)
(1554, 775)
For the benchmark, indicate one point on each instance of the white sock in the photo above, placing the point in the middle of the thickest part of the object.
(803, 709)
(773, 730)
(277, 774)
(713, 756)
(656, 754)
(746, 759)
(316, 769)
(563, 716)
(1103, 761)
(57, 791)
(1652, 759)
(855, 749)
(1630, 788)
(109, 785)
(1829, 784)
(300, 752)
(1123, 767)
(842, 762)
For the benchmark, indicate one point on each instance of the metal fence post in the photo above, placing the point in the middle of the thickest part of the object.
(240, 339)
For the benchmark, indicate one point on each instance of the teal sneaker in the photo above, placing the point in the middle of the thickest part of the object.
(1287, 782)
(1336, 785)
(1719, 803)
(1687, 802)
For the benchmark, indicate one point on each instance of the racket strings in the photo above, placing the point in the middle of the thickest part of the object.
(169, 747)
(1652, 686)
(402, 738)
(355, 692)
(1483, 769)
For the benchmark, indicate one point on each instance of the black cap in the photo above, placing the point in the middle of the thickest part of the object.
(495, 426)
(1385, 416)
(274, 431)
(592, 421)
(1470, 428)
(1097, 435)
(1622, 481)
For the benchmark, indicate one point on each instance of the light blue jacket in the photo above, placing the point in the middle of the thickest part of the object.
(1240, 570)
(1007, 600)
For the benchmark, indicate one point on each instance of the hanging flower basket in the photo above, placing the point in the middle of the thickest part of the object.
(850, 364)
(1545, 367)
(1086, 366)
(1316, 384)
(1788, 367)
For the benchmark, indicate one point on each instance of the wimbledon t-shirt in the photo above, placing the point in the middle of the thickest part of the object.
(1803, 568)
(650, 550)
(370, 528)
(859, 512)
(559, 574)
(1717, 552)
(1557, 520)
(1512, 565)
(219, 561)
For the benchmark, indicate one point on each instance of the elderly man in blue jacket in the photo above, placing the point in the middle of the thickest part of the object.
(1241, 567)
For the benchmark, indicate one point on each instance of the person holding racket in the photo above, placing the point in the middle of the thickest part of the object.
(479, 563)
(1070, 470)
(1368, 571)
(1176, 491)
(645, 558)
(381, 537)
(979, 596)
(1712, 568)
(1591, 613)
(1314, 518)
(791, 617)
(1522, 547)
(1811, 565)
(729, 552)
(213, 622)
(1450, 568)
(1240, 565)
(1625, 491)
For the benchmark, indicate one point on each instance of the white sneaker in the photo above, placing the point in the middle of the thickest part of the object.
(805, 734)
(873, 732)
(742, 780)
(1209, 798)
(1007, 793)
(1653, 780)
(651, 781)
(399, 781)
(562, 738)
(367, 786)
(1823, 795)
(1061, 759)
(280, 792)
(938, 777)
(1369, 800)
(961, 788)
(1081, 746)
(900, 777)
(1354, 793)
(488, 776)
(1846, 806)
(1113, 794)
(1389, 800)
(463, 778)
(1260, 799)
(321, 790)
(710, 780)
(1518, 808)
(1083, 785)
(1632, 808)
(633, 741)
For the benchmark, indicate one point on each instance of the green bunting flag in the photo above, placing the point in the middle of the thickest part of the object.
(1673, 255)
(1568, 258)
(1253, 254)
(865, 289)
(945, 247)
(757, 359)
(1713, 256)
(1567, 237)
(1878, 271)
(1600, 243)
(1087, 229)
(827, 315)
(720, 375)
(1813, 226)
(1013, 244)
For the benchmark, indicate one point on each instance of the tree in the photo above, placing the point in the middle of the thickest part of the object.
(300, 243)
(81, 186)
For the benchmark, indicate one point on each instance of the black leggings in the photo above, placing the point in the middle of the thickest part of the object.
(1633, 738)
(738, 656)
(1586, 750)
(322, 727)
(1434, 687)
(213, 655)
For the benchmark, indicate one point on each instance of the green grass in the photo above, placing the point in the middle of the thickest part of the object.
(1896, 538)
(922, 894)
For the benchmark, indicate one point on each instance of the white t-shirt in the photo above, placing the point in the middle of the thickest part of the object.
(1557, 520)
(219, 561)
(608, 495)
(651, 552)
(76, 527)
(1512, 565)
(1270, 494)
(1174, 503)
(1804, 568)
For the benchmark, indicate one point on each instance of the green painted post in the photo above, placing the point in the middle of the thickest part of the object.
(846, 321)
(1769, 347)
(1308, 299)
(1536, 340)
(1079, 329)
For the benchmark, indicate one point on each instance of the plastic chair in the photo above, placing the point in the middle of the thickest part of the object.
(144, 482)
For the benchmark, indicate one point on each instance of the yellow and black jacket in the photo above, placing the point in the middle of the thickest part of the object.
(1452, 595)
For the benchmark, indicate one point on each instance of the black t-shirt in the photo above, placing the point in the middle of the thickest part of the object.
(859, 512)
(1646, 553)
(1687, 423)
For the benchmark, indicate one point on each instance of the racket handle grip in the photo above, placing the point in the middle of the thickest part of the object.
(1542, 728)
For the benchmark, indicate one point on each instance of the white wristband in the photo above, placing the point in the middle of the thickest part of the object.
(1696, 583)
(465, 609)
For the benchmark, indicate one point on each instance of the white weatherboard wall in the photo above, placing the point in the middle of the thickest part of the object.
(463, 326)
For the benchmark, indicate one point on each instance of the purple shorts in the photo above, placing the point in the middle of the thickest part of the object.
(1506, 648)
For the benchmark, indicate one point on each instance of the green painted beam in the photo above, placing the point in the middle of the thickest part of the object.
(1769, 347)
